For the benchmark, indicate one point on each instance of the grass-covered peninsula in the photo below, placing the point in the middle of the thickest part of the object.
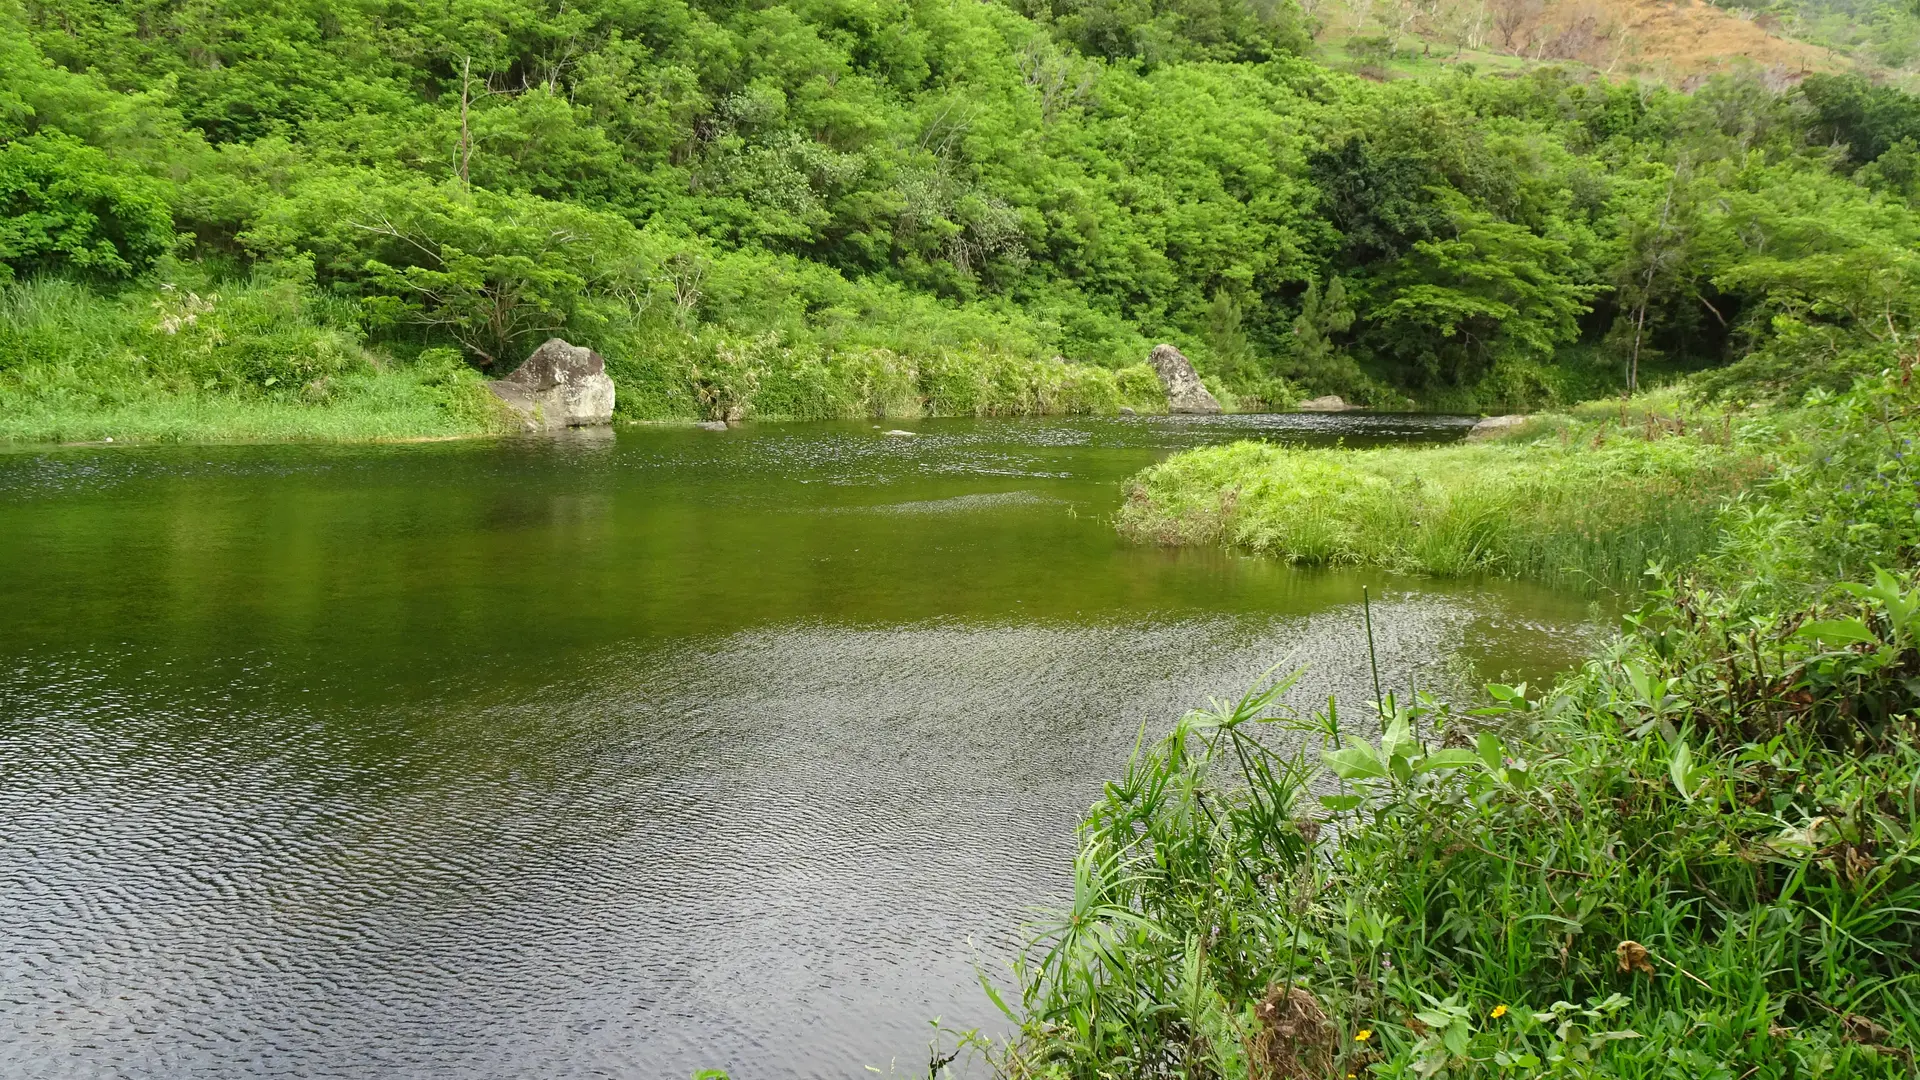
(1584, 498)
(1697, 856)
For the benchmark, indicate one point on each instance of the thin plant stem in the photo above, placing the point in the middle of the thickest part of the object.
(1373, 659)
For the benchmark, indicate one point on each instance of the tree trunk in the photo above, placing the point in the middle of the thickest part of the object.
(465, 152)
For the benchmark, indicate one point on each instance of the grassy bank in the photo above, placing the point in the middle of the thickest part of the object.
(1585, 499)
(1695, 857)
(266, 357)
(258, 359)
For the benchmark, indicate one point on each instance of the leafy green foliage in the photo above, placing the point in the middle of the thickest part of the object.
(496, 273)
(1453, 308)
(67, 206)
(1072, 179)
(1696, 856)
(1158, 31)
(1869, 120)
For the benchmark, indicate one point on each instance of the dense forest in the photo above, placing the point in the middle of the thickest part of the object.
(834, 207)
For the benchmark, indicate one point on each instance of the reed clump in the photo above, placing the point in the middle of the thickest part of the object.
(1697, 856)
(1585, 501)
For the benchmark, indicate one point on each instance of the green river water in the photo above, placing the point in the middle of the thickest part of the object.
(609, 755)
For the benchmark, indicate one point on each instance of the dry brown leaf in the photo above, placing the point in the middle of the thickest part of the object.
(1634, 956)
(1859, 1029)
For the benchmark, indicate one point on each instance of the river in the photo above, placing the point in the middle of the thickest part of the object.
(609, 755)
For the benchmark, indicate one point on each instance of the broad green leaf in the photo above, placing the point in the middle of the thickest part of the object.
(1398, 735)
(1356, 762)
(1492, 750)
(1839, 632)
(1446, 759)
(1680, 767)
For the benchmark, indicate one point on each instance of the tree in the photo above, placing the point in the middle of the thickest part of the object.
(65, 206)
(1225, 336)
(1655, 253)
(1494, 290)
(1512, 16)
(1373, 52)
(1313, 356)
(1867, 119)
(493, 272)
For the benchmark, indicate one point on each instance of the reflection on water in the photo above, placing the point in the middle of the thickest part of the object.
(625, 757)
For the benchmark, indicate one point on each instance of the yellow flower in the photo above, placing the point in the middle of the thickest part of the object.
(1365, 1034)
(1499, 1011)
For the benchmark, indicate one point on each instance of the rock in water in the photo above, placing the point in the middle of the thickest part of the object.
(1330, 403)
(559, 386)
(1177, 377)
(1495, 426)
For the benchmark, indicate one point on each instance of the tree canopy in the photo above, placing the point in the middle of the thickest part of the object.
(1048, 178)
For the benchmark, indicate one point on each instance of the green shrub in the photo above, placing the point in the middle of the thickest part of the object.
(65, 206)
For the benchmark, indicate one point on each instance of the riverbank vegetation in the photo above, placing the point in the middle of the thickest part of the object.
(1581, 501)
(1695, 857)
(826, 209)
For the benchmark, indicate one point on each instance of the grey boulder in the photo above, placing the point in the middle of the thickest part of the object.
(1185, 394)
(1495, 426)
(559, 386)
(1329, 403)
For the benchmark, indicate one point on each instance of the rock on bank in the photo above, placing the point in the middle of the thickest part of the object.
(559, 386)
(1185, 394)
(1495, 426)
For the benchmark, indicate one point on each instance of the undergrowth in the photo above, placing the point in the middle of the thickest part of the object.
(1695, 857)
(271, 357)
(256, 359)
(717, 376)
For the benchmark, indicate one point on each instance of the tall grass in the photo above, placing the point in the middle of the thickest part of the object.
(254, 359)
(1699, 856)
(362, 406)
(270, 358)
(1586, 503)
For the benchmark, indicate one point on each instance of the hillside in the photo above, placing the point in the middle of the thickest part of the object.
(1676, 41)
(860, 207)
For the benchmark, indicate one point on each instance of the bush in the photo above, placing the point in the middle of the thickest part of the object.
(65, 206)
